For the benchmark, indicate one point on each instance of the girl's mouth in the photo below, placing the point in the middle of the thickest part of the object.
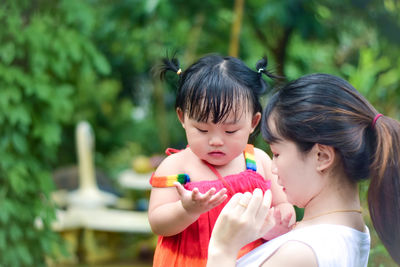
(216, 154)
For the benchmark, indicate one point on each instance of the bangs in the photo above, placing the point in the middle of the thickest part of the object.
(217, 98)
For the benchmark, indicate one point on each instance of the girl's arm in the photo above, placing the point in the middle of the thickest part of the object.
(279, 199)
(278, 196)
(166, 214)
(172, 209)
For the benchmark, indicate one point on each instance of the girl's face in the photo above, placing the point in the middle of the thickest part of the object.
(220, 143)
(296, 172)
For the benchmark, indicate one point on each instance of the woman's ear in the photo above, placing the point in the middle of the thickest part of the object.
(325, 157)
(256, 119)
(181, 116)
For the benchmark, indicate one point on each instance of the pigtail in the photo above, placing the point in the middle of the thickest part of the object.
(169, 65)
(384, 189)
(166, 64)
(261, 67)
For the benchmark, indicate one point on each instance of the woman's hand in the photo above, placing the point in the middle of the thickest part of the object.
(197, 203)
(244, 219)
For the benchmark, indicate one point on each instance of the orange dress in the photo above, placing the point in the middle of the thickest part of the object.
(190, 247)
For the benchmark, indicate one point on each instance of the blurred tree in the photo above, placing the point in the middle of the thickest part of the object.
(236, 25)
(46, 59)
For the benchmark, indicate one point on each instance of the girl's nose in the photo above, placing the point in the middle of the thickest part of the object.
(215, 141)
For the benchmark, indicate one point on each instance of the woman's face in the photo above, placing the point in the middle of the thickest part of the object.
(296, 172)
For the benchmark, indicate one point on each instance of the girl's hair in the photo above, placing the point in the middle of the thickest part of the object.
(214, 86)
(325, 109)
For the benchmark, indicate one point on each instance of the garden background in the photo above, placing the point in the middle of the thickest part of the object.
(63, 61)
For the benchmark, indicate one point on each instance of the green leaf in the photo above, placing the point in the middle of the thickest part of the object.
(101, 64)
(49, 133)
(23, 254)
(16, 178)
(18, 114)
(5, 207)
(7, 53)
(20, 143)
(3, 242)
(15, 232)
(10, 96)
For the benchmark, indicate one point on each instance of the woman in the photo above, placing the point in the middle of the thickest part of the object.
(325, 137)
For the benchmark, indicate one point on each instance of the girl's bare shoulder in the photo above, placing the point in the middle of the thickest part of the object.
(173, 164)
(262, 157)
(261, 154)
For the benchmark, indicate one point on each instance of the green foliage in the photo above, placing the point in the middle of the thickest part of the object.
(45, 53)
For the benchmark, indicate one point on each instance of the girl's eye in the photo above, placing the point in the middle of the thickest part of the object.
(231, 132)
(202, 131)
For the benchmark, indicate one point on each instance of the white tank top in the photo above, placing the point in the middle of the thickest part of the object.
(333, 246)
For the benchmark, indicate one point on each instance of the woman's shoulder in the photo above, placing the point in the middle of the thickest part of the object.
(284, 250)
(329, 243)
(293, 253)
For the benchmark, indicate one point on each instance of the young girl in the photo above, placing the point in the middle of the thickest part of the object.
(218, 106)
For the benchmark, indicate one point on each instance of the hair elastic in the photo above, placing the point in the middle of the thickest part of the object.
(179, 72)
(377, 116)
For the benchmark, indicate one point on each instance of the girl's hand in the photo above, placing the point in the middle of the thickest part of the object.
(244, 219)
(195, 202)
(284, 216)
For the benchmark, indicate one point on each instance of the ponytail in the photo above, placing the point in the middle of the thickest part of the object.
(384, 189)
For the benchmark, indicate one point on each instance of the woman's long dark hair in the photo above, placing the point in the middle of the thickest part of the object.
(325, 109)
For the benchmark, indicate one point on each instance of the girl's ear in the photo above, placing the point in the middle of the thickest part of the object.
(181, 116)
(255, 121)
(325, 157)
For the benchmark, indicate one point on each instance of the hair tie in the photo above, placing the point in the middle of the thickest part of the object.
(179, 72)
(260, 70)
(377, 116)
